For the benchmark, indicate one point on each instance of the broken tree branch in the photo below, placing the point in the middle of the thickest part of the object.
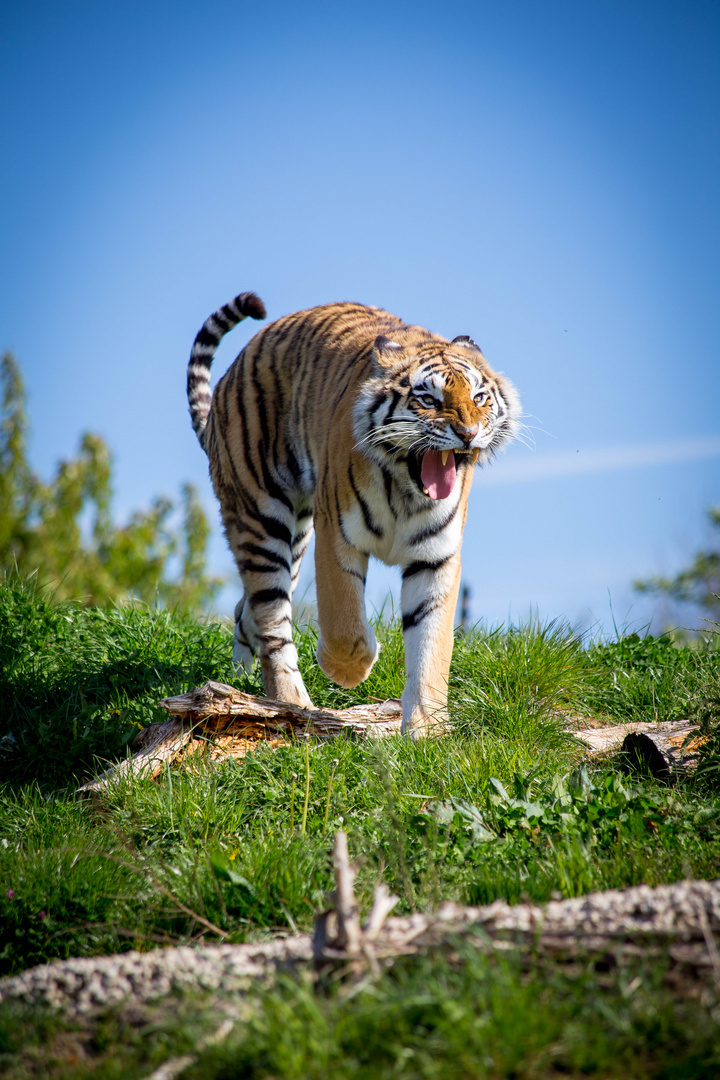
(348, 932)
(217, 721)
(679, 923)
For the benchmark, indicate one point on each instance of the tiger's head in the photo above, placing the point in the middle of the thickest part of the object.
(432, 408)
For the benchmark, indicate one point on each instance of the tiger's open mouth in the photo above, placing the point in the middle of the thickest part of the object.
(435, 471)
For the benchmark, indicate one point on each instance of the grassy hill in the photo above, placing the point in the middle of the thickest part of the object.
(500, 808)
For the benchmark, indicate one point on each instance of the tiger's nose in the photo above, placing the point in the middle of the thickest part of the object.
(465, 432)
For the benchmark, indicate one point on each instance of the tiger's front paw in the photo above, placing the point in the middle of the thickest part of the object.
(348, 664)
(420, 723)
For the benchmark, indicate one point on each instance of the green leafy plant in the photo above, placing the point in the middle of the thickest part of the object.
(597, 811)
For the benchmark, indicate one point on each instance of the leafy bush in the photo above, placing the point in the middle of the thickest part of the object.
(650, 678)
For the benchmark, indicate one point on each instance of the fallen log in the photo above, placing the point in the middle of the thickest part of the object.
(218, 721)
(222, 708)
(667, 750)
(679, 922)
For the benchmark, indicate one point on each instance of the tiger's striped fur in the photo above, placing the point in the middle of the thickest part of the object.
(345, 418)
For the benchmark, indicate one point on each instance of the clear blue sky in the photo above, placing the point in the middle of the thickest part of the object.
(539, 174)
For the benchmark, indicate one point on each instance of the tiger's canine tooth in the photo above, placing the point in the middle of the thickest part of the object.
(444, 454)
(475, 455)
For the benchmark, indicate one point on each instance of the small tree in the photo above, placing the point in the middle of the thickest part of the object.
(699, 583)
(41, 525)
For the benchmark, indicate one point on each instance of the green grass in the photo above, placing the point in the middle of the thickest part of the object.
(499, 808)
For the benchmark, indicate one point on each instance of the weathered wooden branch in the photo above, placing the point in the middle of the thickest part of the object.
(383, 903)
(153, 747)
(224, 709)
(679, 922)
(217, 721)
(176, 1066)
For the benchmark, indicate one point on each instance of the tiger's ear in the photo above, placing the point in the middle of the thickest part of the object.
(386, 352)
(467, 343)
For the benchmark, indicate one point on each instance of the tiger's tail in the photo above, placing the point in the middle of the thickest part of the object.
(203, 351)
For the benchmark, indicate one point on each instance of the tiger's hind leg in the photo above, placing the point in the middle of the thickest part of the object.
(302, 536)
(246, 642)
(268, 547)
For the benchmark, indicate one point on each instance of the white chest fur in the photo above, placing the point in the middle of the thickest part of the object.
(430, 534)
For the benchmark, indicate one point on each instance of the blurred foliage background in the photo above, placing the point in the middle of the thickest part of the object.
(696, 587)
(64, 529)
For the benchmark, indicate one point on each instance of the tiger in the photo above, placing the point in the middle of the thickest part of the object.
(346, 420)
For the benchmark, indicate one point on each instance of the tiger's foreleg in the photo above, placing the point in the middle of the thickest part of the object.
(347, 647)
(428, 599)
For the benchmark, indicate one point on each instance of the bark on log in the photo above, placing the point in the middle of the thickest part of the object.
(222, 708)
(217, 721)
(666, 750)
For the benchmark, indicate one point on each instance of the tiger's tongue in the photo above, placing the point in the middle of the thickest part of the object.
(438, 479)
